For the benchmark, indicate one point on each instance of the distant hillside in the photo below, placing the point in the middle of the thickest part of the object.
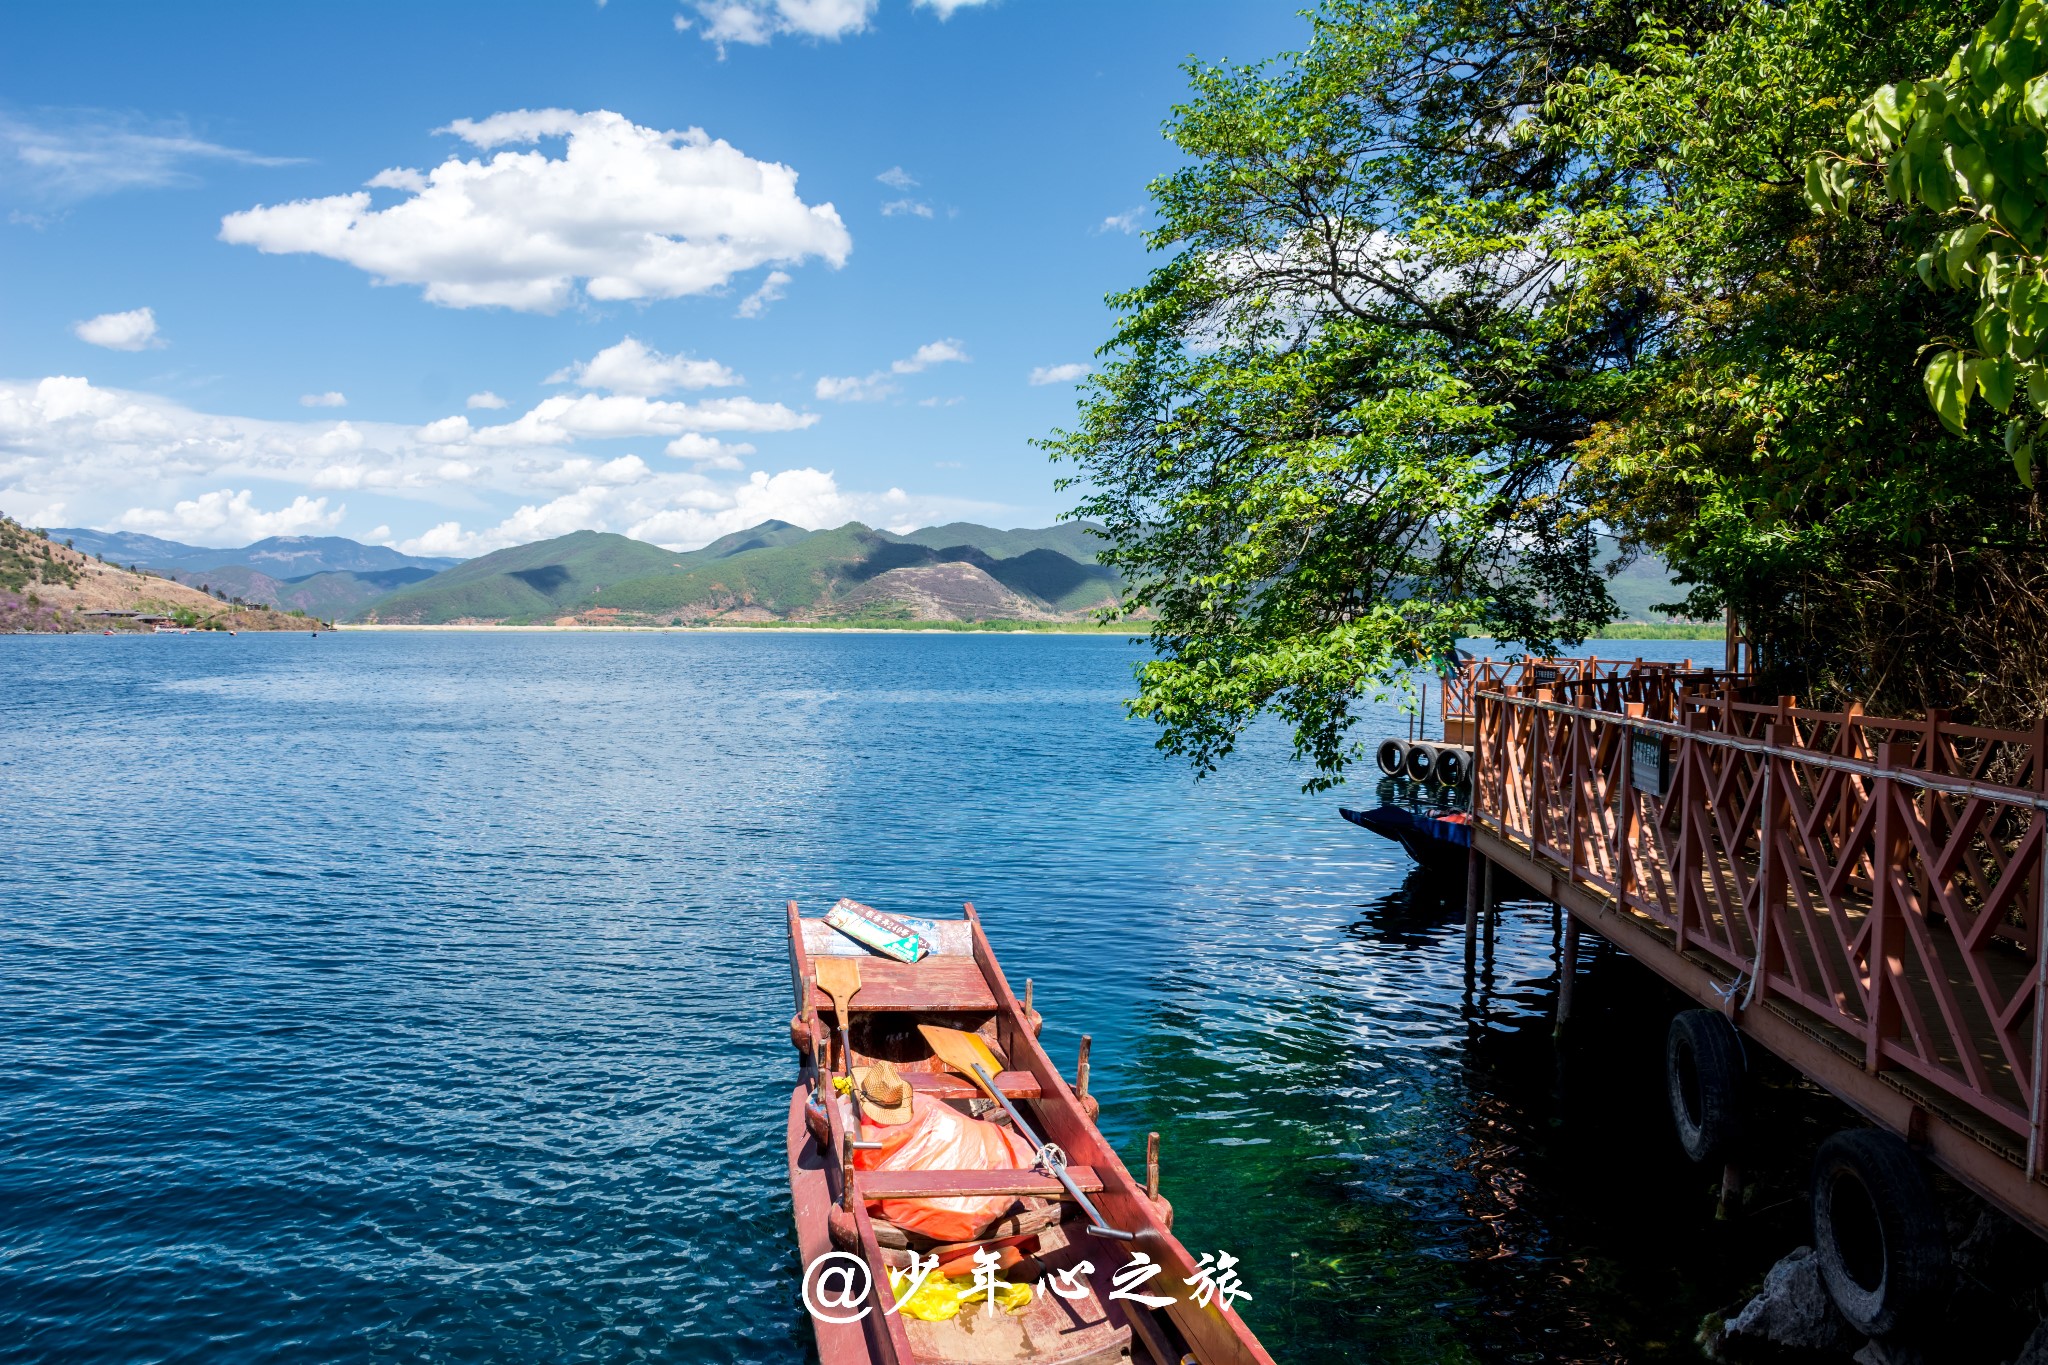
(280, 557)
(330, 596)
(47, 586)
(774, 571)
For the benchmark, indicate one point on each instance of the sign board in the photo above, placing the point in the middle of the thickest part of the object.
(1543, 675)
(1649, 764)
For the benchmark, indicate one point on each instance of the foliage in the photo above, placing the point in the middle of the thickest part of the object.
(1329, 435)
(1969, 146)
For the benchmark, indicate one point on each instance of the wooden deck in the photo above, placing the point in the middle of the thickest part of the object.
(1863, 896)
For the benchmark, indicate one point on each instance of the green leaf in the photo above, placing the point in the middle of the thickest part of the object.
(1817, 196)
(1995, 378)
(2023, 461)
(1946, 388)
(1962, 245)
(1989, 328)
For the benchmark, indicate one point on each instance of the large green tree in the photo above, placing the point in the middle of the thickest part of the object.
(1460, 285)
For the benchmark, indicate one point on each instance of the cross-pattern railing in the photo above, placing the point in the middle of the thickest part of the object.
(1884, 877)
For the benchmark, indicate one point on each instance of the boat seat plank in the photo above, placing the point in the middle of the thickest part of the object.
(935, 985)
(968, 1184)
(1018, 1085)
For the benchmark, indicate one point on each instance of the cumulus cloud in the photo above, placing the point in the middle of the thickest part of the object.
(631, 367)
(134, 330)
(67, 155)
(486, 399)
(1060, 374)
(897, 207)
(941, 352)
(707, 452)
(756, 303)
(1129, 221)
(72, 453)
(631, 212)
(868, 389)
(946, 8)
(755, 22)
(852, 388)
(227, 517)
(565, 418)
(333, 398)
(896, 178)
(689, 511)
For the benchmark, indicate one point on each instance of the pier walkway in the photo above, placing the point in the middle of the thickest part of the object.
(1863, 897)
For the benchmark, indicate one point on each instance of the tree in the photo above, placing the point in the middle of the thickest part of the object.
(1331, 429)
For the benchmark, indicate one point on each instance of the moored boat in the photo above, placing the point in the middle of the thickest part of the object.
(1436, 839)
(1085, 1219)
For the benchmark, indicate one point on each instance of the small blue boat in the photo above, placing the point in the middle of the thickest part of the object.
(1437, 839)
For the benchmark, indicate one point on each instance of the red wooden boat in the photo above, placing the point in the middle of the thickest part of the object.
(958, 985)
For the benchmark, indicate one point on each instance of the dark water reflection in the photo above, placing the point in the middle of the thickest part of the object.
(422, 998)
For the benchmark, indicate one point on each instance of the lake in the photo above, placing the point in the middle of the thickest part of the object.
(424, 997)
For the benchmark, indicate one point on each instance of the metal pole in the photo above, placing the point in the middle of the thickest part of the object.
(1052, 1161)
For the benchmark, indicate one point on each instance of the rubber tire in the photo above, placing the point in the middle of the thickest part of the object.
(1393, 757)
(1453, 767)
(1877, 1231)
(1421, 761)
(1705, 1077)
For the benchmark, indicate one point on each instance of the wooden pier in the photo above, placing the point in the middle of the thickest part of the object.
(1864, 897)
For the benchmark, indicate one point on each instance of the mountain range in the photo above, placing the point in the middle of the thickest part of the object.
(326, 576)
(773, 571)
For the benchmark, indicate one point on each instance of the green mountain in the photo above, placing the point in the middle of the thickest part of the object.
(330, 596)
(774, 570)
(541, 581)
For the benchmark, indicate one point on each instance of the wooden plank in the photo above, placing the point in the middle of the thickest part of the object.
(967, 1184)
(944, 1085)
(939, 985)
(811, 1200)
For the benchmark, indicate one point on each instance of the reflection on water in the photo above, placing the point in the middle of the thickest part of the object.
(423, 998)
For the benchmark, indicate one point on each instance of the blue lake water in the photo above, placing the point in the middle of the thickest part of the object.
(423, 998)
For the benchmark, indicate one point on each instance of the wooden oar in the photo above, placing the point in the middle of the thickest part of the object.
(839, 977)
(968, 1054)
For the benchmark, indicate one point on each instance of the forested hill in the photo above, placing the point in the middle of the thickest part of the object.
(774, 571)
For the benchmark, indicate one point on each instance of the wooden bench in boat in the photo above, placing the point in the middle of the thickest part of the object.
(937, 985)
(1017, 1085)
(968, 1184)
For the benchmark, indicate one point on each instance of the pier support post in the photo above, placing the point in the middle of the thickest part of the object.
(1730, 1202)
(1472, 899)
(1567, 972)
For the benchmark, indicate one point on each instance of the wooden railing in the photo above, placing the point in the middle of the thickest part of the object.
(1883, 878)
(1475, 675)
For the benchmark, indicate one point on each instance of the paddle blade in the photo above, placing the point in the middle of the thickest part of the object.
(839, 977)
(960, 1050)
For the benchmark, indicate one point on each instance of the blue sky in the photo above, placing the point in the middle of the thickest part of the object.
(549, 313)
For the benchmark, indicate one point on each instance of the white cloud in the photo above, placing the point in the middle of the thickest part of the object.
(333, 398)
(708, 453)
(946, 8)
(853, 389)
(630, 367)
(81, 153)
(931, 353)
(134, 330)
(896, 178)
(952, 402)
(563, 418)
(897, 207)
(632, 212)
(486, 399)
(1060, 374)
(226, 517)
(856, 389)
(756, 303)
(1129, 221)
(75, 454)
(754, 22)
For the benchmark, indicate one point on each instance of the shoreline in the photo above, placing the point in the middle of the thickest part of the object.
(481, 628)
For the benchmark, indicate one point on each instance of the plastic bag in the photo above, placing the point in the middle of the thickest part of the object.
(940, 1297)
(940, 1138)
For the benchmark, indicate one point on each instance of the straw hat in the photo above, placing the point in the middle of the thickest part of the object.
(884, 1096)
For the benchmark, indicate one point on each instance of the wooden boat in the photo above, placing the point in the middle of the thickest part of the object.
(1436, 839)
(958, 985)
